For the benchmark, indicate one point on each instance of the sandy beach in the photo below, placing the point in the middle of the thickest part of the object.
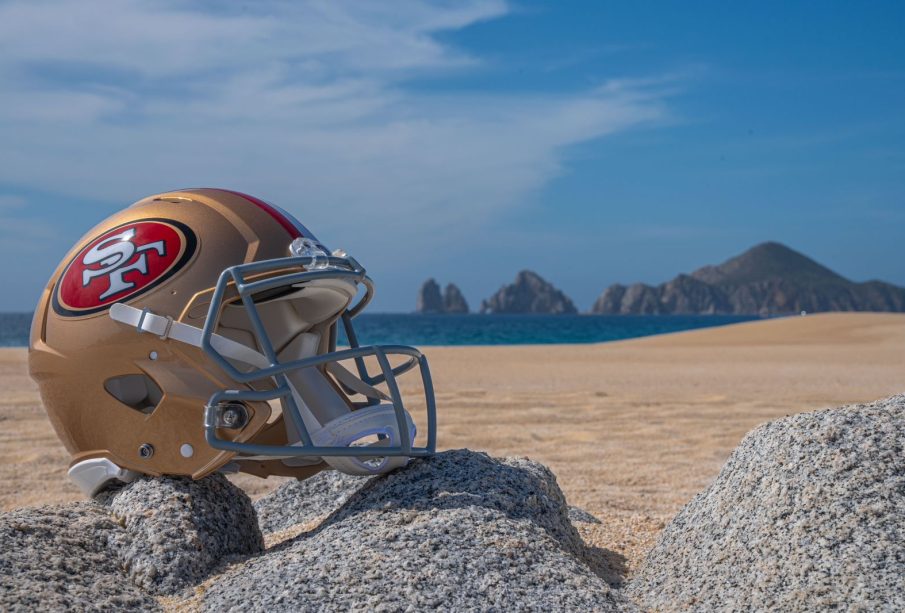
(632, 429)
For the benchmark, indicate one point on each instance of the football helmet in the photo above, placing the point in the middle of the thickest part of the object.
(196, 331)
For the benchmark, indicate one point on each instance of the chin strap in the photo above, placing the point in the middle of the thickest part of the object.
(355, 384)
(144, 320)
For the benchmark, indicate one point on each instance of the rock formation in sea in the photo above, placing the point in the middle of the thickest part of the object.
(530, 293)
(768, 279)
(430, 300)
(453, 300)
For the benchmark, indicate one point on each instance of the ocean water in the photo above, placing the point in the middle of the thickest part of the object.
(424, 330)
(14, 329)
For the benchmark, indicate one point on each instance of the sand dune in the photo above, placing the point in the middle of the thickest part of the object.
(632, 429)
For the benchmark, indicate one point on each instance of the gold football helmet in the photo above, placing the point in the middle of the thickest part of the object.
(196, 331)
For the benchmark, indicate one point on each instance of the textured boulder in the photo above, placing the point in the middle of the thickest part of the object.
(806, 515)
(578, 515)
(459, 531)
(178, 530)
(301, 502)
(150, 537)
(453, 300)
(55, 558)
(530, 293)
(429, 298)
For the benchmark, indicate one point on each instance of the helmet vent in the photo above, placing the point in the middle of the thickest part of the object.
(138, 392)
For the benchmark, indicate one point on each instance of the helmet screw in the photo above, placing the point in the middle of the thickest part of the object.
(233, 416)
(145, 450)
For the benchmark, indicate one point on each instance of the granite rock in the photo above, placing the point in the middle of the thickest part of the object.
(806, 515)
(458, 531)
(300, 502)
(578, 515)
(178, 530)
(55, 558)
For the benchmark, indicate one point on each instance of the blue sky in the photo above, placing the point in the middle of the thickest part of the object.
(593, 142)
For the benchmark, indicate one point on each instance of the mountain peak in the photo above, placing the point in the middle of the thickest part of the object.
(764, 262)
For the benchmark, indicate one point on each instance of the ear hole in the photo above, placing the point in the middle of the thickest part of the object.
(138, 392)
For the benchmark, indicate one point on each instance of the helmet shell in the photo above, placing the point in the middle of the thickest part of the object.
(164, 253)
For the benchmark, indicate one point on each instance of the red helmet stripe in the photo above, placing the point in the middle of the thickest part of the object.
(283, 220)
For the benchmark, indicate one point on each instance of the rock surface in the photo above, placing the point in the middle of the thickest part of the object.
(55, 558)
(580, 516)
(768, 279)
(429, 298)
(529, 294)
(147, 538)
(806, 515)
(178, 530)
(459, 531)
(453, 300)
(300, 502)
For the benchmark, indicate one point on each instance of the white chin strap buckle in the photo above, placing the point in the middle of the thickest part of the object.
(361, 426)
(92, 475)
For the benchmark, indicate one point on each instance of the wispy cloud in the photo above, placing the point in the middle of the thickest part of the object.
(306, 103)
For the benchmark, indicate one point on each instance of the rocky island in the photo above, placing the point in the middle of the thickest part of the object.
(768, 279)
(530, 293)
(431, 300)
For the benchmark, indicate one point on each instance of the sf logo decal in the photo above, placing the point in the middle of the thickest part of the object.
(113, 254)
(122, 263)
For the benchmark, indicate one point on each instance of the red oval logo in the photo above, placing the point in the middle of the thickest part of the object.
(122, 263)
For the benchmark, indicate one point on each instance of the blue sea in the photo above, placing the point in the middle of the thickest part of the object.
(424, 330)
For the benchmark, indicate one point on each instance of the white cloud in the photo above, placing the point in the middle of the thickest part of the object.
(304, 103)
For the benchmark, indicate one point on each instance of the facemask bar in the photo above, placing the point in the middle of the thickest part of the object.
(363, 373)
(330, 267)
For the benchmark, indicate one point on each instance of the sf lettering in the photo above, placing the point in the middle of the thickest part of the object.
(113, 254)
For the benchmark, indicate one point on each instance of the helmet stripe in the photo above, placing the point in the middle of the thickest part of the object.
(278, 215)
